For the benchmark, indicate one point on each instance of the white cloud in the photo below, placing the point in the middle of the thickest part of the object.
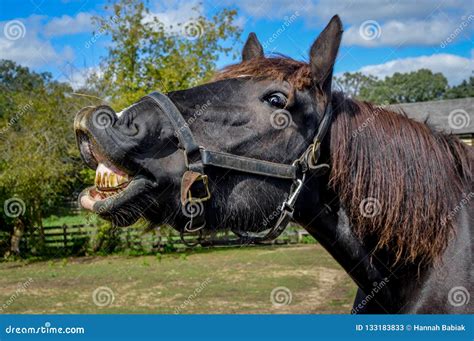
(277, 9)
(355, 12)
(398, 33)
(170, 13)
(67, 25)
(351, 11)
(26, 47)
(77, 77)
(424, 22)
(455, 68)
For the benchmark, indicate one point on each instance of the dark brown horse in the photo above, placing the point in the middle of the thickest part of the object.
(394, 209)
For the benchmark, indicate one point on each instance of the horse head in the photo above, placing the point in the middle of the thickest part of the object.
(265, 109)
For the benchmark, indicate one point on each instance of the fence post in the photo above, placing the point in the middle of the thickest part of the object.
(65, 236)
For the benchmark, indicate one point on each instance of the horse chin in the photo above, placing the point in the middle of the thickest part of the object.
(122, 207)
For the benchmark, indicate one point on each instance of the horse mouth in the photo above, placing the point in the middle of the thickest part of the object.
(113, 188)
(109, 183)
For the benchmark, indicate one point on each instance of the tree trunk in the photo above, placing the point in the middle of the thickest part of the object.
(18, 230)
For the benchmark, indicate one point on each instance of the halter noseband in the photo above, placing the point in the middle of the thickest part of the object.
(194, 182)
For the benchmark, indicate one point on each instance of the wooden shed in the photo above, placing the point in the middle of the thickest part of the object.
(454, 115)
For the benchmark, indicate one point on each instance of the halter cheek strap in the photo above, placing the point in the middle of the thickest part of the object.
(195, 183)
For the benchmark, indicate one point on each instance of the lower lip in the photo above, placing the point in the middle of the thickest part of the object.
(93, 195)
(88, 202)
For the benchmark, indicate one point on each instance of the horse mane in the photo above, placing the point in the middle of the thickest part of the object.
(411, 178)
(398, 179)
(277, 67)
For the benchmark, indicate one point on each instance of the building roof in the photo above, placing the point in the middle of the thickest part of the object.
(453, 115)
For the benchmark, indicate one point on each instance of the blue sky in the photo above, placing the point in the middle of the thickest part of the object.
(381, 36)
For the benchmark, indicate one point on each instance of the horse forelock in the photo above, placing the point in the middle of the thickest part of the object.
(281, 68)
(410, 178)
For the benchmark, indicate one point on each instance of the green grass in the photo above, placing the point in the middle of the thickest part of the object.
(236, 280)
(82, 218)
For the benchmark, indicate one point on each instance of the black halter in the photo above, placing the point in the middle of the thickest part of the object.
(194, 184)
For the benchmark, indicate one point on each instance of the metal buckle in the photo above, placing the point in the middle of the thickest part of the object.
(289, 204)
(313, 154)
(315, 150)
(205, 182)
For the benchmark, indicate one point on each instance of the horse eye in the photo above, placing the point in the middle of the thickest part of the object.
(276, 99)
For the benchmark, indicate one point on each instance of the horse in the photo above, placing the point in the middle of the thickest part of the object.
(267, 141)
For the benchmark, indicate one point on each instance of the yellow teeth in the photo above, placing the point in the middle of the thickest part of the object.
(98, 179)
(110, 180)
(121, 179)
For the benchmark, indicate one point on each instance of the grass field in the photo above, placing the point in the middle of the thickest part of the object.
(237, 280)
(72, 219)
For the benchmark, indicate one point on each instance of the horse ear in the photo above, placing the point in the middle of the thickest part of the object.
(252, 48)
(323, 55)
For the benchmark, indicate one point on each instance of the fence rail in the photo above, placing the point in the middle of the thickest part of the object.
(76, 239)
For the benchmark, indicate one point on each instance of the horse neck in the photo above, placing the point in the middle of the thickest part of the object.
(398, 180)
(370, 151)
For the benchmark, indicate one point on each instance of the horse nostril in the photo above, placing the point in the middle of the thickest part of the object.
(80, 121)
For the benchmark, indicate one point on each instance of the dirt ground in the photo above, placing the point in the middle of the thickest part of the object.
(285, 279)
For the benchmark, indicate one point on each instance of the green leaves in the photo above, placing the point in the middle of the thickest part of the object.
(146, 55)
(40, 162)
(463, 90)
(417, 86)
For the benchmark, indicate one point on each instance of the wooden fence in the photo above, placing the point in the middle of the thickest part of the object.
(77, 239)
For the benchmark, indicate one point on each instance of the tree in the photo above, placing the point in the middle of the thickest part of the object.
(463, 90)
(418, 86)
(15, 78)
(39, 160)
(145, 55)
(352, 83)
